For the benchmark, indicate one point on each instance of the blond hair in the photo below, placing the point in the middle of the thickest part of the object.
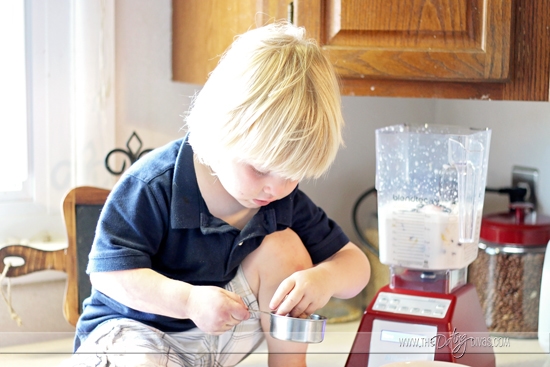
(273, 101)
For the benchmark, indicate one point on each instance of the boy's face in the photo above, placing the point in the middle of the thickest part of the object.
(251, 187)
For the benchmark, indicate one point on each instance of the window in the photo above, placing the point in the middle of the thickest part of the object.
(35, 152)
(66, 67)
(14, 163)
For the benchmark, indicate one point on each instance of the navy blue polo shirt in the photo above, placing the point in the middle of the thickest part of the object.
(155, 217)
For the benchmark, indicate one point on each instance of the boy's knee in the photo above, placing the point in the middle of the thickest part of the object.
(286, 249)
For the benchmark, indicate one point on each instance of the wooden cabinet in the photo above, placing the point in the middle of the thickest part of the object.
(203, 29)
(482, 49)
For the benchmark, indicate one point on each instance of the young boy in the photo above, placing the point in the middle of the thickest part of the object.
(203, 231)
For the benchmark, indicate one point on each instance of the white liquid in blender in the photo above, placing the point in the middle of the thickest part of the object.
(423, 237)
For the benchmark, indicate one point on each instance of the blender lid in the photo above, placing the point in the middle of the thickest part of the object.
(507, 228)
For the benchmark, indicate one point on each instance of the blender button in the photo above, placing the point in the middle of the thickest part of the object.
(427, 312)
(415, 310)
(380, 307)
(383, 299)
(439, 306)
(404, 309)
(394, 300)
(392, 307)
(438, 313)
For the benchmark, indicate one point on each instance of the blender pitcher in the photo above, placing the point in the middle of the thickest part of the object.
(430, 181)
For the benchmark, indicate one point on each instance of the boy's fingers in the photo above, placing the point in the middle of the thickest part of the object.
(281, 294)
(290, 306)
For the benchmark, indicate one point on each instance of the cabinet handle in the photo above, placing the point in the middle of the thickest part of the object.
(290, 12)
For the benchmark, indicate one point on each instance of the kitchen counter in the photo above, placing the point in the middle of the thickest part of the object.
(332, 352)
(522, 352)
(339, 338)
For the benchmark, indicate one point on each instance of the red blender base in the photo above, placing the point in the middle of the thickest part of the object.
(404, 324)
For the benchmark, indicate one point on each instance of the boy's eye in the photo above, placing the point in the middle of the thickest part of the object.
(258, 172)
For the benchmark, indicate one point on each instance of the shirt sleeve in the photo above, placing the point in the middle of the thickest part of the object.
(322, 236)
(130, 227)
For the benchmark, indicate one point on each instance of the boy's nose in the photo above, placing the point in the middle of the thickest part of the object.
(273, 189)
(279, 187)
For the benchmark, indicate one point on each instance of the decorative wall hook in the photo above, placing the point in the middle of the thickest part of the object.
(130, 154)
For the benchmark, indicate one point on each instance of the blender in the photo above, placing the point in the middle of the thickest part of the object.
(430, 182)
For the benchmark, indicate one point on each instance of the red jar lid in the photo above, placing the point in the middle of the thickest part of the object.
(511, 228)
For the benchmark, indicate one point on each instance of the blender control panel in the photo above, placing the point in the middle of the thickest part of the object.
(411, 305)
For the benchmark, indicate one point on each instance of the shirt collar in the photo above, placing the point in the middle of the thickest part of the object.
(186, 203)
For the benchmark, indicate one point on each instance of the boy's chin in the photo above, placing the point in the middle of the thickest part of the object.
(249, 204)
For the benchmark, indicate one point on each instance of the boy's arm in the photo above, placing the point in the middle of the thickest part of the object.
(212, 309)
(349, 271)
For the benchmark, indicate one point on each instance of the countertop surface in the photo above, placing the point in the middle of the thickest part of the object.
(333, 351)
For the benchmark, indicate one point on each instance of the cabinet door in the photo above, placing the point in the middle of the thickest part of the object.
(389, 55)
(438, 40)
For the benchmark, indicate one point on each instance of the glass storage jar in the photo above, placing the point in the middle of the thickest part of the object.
(508, 269)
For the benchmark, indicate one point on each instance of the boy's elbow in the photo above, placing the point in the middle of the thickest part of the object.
(359, 266)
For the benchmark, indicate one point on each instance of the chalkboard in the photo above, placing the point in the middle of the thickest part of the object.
(87, 217)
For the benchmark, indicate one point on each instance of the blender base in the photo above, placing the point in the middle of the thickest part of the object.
(406, 325)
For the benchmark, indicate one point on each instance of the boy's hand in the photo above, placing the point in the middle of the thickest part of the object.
(302, 293)
(215, 310)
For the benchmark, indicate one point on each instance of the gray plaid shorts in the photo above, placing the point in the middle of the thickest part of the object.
(126, 342)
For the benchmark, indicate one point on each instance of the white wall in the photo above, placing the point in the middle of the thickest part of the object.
(147, 101)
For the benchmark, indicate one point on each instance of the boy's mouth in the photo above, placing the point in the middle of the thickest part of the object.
(261, 202)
